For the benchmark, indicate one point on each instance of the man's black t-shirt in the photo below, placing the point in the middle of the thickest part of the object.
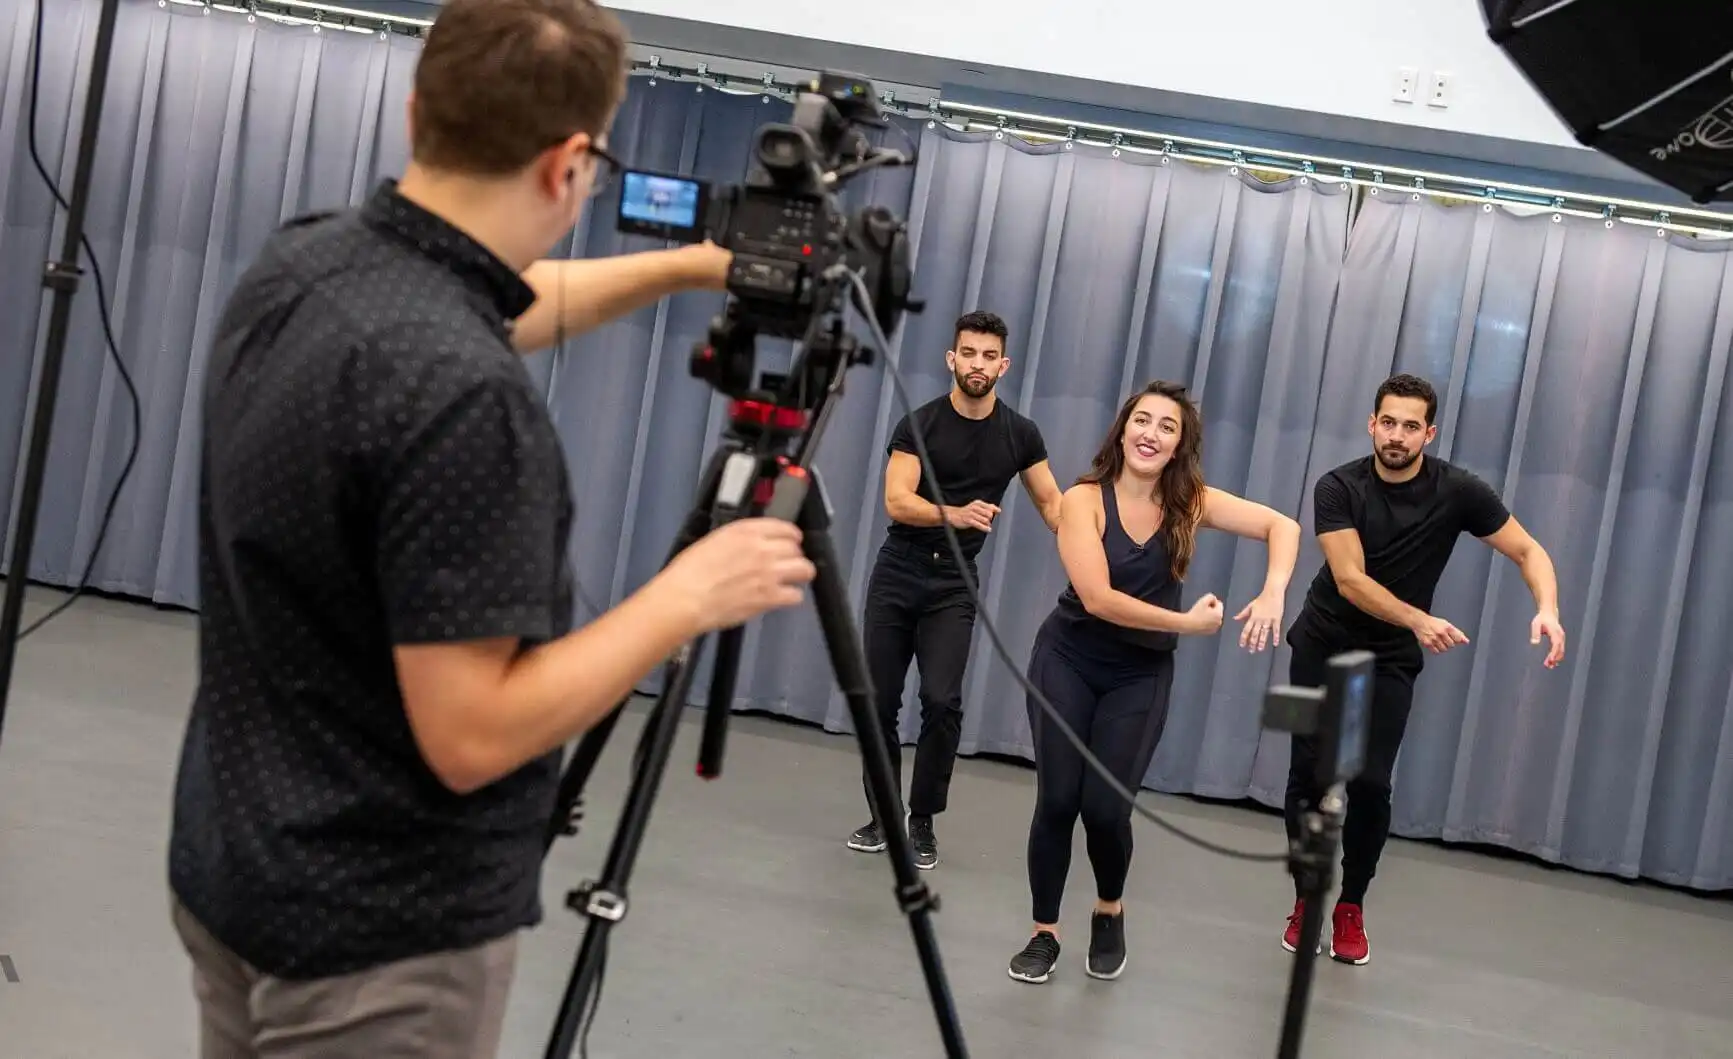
(1408, 531)
(976, 459)
(378, 470)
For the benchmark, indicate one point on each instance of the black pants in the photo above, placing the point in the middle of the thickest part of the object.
(918, 609)
(1367, 824)
(1119, 710)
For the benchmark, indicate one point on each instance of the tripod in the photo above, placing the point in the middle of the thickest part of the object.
(751, 470)
(1312, 864)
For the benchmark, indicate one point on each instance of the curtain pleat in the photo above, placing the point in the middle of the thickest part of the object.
(1581, 365)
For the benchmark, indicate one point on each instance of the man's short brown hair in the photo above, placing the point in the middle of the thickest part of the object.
(500, 81)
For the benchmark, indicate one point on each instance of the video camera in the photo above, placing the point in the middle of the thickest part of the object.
(794, 245)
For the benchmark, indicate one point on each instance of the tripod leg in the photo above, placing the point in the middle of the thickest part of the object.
(723, 489)
(721, 702)
(583, 759)
(605, 902)
(848, 659)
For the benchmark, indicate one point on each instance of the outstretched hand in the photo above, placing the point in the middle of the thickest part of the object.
(1263, 623)
(1437, 635)
(1547, 624)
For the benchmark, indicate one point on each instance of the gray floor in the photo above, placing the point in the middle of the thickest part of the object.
(748, 878)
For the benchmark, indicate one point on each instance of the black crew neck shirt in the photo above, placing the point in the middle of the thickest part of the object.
(377, 469)
(976, 459)
(1408, 531)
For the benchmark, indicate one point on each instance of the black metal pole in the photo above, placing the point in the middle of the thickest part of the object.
(848, 659)
(1314, 865)
(61, 278)
(604, 903)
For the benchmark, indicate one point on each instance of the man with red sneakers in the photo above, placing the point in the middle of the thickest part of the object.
(1387, 524)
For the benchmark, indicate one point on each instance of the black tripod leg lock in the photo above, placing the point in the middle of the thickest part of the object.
(62, 276)
(573, 820)
(591, 900)
(917, 898)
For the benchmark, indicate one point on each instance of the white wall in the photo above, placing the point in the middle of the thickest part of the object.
(1336, 57)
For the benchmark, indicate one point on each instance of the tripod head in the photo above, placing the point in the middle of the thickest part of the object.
(796, 248)
(776, 413)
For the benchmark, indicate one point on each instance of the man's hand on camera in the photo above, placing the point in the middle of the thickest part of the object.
(712, 264)
(738, 572)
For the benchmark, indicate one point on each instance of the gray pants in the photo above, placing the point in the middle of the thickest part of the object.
(447, 1005)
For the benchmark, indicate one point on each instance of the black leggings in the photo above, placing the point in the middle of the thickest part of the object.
(1118, 711)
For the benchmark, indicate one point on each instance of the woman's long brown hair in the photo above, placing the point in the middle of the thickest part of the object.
(1181, 485)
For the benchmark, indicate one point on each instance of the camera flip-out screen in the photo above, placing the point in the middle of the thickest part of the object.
(663, 206)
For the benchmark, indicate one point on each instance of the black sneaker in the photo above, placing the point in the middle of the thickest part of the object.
(925, 842)
(868, 839)
(1106, 945)
(1035, 963)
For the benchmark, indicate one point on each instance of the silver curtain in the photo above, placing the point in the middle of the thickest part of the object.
(1595, 359)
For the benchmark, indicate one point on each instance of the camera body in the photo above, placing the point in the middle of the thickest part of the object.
(792, 240)
(1336, 714)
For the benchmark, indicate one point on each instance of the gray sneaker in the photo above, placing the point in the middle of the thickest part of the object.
(925, 842)
(1035, 963)
(868, 839)
(1106, 945)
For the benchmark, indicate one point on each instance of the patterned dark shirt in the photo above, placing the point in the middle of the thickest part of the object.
(378, 469)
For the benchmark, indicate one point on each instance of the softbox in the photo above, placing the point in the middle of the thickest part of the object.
(1649, 83)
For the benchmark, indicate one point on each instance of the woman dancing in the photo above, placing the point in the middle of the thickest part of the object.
(1104, 656)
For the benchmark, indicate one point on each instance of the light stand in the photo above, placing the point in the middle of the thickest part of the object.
(1333, 719)
(1312, 863)
(61, 278)
(752, 471)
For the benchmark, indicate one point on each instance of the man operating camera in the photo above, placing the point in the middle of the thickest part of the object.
(387, 667)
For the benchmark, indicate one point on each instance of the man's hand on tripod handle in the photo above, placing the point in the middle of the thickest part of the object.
(573, 297)
(480, 709)
(739, 571)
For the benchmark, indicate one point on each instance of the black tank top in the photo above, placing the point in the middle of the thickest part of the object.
(1144, 572)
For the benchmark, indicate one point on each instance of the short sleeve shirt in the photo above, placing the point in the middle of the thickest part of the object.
(377, 469)
(976, 459)
(1407, 530)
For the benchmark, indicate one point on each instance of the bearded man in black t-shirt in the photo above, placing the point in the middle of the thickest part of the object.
(918, 607)
(1387, 524)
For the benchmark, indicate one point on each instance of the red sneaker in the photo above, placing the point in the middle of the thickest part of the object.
(1291, 939)
(1348, 942)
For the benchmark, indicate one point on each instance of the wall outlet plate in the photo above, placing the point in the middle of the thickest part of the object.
(1406, 79)
(1443, 88)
